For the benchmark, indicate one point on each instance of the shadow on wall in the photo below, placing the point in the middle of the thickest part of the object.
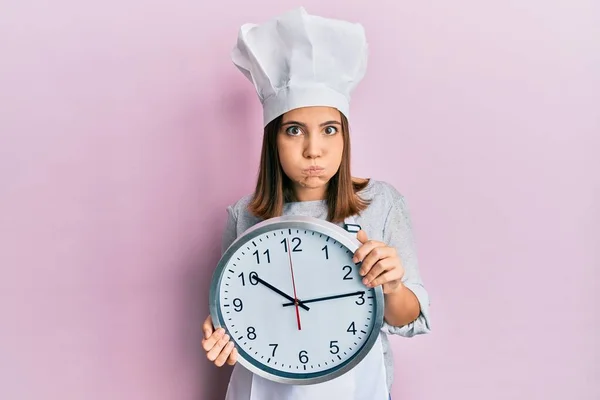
(217, 125)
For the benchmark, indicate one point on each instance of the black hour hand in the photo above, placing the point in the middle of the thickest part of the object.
(273, 288)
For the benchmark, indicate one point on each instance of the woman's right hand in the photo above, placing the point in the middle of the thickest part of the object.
(217, 345)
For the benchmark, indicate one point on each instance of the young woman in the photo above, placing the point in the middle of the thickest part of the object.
(304, 68)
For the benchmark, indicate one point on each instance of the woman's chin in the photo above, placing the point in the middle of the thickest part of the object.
(313, 182)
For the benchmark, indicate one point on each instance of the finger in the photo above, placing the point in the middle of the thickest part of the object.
(216, 350)
(366, 248)
(374, 256)
(232, 357)
(379, 268)
(362, 236)
(209, 343)
(224, 355)
(390, 276)
(207, 327)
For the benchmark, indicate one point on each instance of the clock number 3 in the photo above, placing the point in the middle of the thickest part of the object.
(361, 299)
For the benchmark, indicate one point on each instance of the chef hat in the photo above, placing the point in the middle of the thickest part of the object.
(300, 60)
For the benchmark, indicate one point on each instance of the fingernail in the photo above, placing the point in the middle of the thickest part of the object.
(361, 272)
(365, 281)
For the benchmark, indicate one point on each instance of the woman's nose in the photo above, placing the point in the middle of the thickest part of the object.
(313, 146)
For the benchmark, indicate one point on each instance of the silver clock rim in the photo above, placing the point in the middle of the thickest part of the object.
(306, 223)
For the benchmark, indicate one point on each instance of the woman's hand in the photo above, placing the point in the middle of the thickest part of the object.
(380, 264)
(217, 345)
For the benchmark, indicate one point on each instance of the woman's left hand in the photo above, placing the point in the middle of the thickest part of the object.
(380, 264)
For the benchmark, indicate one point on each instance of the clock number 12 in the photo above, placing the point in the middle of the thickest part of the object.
(295, 240)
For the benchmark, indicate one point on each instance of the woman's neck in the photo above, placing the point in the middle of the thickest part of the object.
(310, 194)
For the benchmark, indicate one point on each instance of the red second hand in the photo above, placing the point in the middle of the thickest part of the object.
(293, 283)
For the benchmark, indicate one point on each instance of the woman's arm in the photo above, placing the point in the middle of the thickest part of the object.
(393, 264)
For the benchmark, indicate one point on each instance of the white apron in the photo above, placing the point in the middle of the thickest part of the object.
(366, 381)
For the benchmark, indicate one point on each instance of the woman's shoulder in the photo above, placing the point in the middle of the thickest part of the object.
(379, 190)
(239, 208)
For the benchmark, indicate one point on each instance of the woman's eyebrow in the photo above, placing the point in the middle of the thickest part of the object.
(332, 122)
(293, 123)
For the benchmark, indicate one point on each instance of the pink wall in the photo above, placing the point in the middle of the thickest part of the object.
(126, 130)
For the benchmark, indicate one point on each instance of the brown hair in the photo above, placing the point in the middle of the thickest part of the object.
(273, 187)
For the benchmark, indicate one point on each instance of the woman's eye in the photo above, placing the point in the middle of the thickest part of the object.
(293, 130)
(330, 130)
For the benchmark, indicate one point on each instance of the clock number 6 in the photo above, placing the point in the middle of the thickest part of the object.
(303, 356)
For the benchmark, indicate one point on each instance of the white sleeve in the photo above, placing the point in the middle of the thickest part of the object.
(398, 234)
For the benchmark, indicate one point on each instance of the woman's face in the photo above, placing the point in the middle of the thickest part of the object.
(310, 145)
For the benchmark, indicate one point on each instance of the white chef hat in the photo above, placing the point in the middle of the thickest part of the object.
(300, 60)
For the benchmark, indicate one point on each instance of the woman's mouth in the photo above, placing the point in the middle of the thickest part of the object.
(313, 170)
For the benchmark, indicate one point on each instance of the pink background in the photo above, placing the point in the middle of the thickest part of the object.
(126, 130)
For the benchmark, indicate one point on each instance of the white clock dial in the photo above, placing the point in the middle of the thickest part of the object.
(335, 317)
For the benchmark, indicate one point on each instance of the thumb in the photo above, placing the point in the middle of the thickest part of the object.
(362, 236)
(207, 327)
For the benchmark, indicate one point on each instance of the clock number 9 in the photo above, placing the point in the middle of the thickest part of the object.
(238, 305)
(303, 356)
(253, 280)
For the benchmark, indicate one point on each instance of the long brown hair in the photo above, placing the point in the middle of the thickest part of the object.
(274, 188)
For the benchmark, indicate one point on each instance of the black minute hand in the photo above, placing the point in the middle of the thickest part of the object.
(273, 288)
(337, 296)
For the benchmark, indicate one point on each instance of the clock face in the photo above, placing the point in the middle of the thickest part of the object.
(329, 329)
